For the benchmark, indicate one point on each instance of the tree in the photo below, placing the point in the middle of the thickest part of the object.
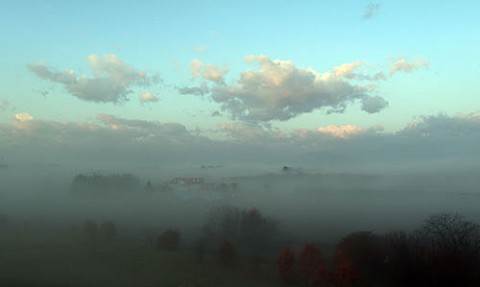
(450, 249)
(365, 250)
(223, 223)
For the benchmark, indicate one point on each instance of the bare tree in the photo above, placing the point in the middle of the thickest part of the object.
(450, 249)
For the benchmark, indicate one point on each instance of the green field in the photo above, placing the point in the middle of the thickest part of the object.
(58, 257)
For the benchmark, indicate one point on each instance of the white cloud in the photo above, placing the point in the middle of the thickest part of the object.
(347, 70)
(340, 131)
(147, 97)
(400, 64)
(112, 79)
(281, 91)
(23, 117)
(207, 71)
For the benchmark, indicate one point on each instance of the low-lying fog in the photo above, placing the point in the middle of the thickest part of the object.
(305, 203)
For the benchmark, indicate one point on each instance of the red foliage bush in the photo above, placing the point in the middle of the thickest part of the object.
(346, 273)
(310, 260)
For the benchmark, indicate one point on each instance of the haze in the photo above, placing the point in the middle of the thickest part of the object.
(327, 118)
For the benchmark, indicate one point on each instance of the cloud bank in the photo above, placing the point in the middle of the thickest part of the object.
(108, 138)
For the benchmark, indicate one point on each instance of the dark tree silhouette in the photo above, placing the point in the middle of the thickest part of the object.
(366, 251)
(449, 250)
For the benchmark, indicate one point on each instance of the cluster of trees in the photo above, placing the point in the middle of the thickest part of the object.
(445, 251)
(247, 228)
(97, 183)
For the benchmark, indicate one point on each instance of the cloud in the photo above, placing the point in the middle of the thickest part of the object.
(311, 137)
(216, 114)
(351, 71)
(347, 70)
(146, 130)
(112, 81)
(197, 91)
(244, 131)
(340, 131)
(147, 97)
(374, 104)
(23, 117)
(400, 64)
(207, 71)
(443, 125)
(281, 91)
(371, 10)
(436, 139)
(201, 49)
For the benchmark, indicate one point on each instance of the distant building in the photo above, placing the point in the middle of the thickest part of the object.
(187, 180)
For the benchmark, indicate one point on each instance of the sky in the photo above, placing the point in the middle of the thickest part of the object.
(321, 83)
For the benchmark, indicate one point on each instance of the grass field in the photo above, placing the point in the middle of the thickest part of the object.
(59, 257)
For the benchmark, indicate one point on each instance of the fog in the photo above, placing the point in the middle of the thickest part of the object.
(306, 204)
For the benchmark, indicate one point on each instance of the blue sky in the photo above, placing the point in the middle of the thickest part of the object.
(272, 66)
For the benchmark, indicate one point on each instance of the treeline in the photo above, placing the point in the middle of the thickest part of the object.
(98, 183)
(444, 251)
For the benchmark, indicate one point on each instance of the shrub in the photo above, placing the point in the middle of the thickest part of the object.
(168, 240)
(227, 253)
(108, 231)
(286, 264)
(90, 231)
(3, 219)
(346, 274)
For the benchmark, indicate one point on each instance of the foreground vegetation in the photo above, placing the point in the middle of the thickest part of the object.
(237, 248)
